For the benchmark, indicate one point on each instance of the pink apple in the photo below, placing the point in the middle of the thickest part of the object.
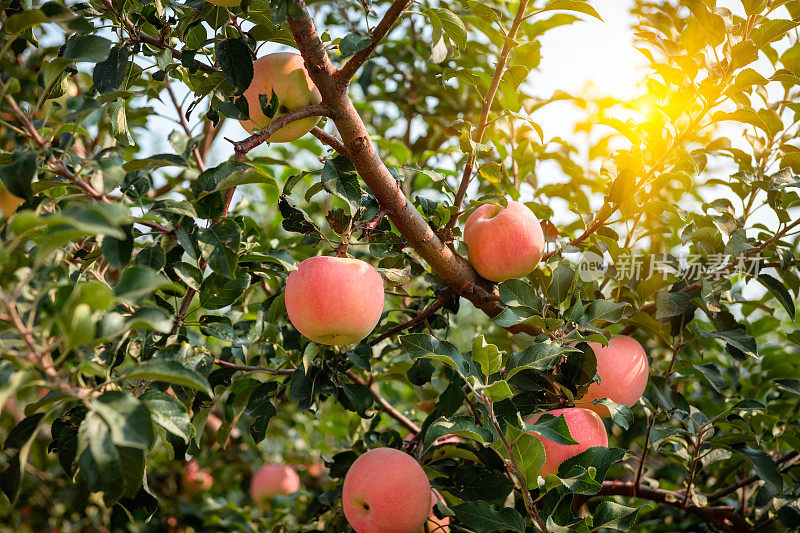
(386, 491)
(273, 480)
(334, 300)
(585, 426)
(505, 242)
(623, 369)
(196, 479)
(436, 525)
(285, 74)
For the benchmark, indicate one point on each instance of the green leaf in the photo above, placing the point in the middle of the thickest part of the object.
(572, 5)
(339, 177)
(599, 457)
(168, 371)
(538, 356)
(462, 426)
(118, 251)
(128, 419)
(261, 409)
(236, 61)
(208, 200)
(18, 174)
(605, 311)
(613, 515)
(98, 458)
(498, 390)
(138, 282)
(452, 25)
(424, 345)
(620, 413)
(169, 413)
(18, 22)
(762, 463)
(561, 283)
(353, 42)
(552, 428)
(780, 292)
(218, 291)
(738, 338)
(219, 244)
(527, 450)
(669, 304)
(483, 518)
(487, 356)
(109, 75)
(519, 293)
(90, 48)
(119, 122)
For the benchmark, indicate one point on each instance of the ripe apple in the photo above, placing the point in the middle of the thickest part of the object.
(273, 480)
(505, 242)
(196, 479)
(386, 491)
(436, 525)
(334, 300)
(8, 202)
(285, 74)
(585, 426)
(623, 369)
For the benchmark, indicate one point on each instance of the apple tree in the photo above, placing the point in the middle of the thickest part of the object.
(148, 365)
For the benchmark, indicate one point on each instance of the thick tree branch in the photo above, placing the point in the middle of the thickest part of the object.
(387, 22)
(723, 517)
(450, 267)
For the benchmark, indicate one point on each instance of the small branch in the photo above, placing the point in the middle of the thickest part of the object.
(423, 316)
(329, 139)
(243, 147)
(185, 125)
(486, 108)
(384, 26)
(639, 471)
(385, 405)
(721, 493)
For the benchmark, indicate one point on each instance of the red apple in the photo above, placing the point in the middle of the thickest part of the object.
(273, 480)
(623, 369)
(196, 479)
(505, 242)
(436, 525)
(585, 426)
(334, 300)
(386, 491)
(285, 74)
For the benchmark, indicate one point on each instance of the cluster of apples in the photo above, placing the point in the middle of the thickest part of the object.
(339, 301)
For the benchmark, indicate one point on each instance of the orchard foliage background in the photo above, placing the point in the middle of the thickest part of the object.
(128, 271)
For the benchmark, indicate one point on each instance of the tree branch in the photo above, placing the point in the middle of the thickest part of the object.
(421, 317)
(722, 516)
(385, 406)
(243, 147)
(329, 139)
(384, 26)
(445, 263)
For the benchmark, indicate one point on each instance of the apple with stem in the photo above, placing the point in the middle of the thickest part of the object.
(585, 426)
(334, 300)
(386, 491)
(283, 73)
(504, 242)
(623, 369)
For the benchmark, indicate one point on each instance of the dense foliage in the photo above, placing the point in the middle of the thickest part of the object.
(142, 319)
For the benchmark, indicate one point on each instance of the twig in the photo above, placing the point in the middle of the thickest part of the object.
(244, 146)
(385, 405)
(182, 119)
(488, 100)
(381, 30)
(329, 139)
(721, 493)
(421, 317)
